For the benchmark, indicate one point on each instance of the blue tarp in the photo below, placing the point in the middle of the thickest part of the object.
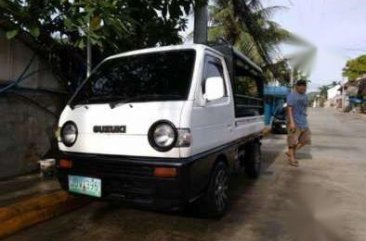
(356, 100)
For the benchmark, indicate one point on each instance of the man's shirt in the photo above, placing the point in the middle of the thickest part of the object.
(299, 103)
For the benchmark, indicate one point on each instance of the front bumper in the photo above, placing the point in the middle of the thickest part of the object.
(132, 180)
(279, 127)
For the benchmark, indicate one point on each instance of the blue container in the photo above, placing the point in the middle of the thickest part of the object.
(267, 113)
(276, 91)
(275, 97)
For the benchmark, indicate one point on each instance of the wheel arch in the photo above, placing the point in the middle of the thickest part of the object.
(221, 157)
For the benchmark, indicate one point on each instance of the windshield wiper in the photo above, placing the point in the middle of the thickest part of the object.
(141, 97)
(94, 99)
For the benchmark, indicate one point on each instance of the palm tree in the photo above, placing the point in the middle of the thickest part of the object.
(324, 91)
(246, 24)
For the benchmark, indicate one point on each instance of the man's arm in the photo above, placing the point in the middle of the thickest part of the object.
(290, 118)
(290, 112)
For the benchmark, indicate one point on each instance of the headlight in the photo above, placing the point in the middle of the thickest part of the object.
(163, 136)
(69, 133)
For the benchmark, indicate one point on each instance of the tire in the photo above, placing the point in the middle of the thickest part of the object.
(215, 201)
(253, 160)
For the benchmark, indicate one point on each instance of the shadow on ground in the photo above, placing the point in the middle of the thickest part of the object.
(240, 185)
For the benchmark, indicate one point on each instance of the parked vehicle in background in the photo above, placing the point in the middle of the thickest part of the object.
(279, 122)
(164, 127)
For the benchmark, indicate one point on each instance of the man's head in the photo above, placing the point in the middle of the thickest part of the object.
(300, 86)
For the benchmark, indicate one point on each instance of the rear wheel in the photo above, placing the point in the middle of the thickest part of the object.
(215, 201)
(253, 160)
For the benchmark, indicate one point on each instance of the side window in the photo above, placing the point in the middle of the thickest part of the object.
(247, 91)
(213, 68)
(247, 85)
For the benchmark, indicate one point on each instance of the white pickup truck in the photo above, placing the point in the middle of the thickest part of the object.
(163, 127)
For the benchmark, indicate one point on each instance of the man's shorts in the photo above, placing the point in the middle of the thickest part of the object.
(300, 135)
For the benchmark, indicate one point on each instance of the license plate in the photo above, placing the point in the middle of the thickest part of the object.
(85, 185)
(283, 126)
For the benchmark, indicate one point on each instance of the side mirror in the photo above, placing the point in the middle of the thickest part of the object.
(214, 88)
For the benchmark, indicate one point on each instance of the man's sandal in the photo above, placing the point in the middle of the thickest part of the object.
(294, 163)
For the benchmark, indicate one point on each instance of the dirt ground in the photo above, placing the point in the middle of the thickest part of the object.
(324, 199)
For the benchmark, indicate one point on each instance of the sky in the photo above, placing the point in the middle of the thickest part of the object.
(337, 28)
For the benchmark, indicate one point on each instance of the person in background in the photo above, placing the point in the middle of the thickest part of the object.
(299, 133)
(362, 94)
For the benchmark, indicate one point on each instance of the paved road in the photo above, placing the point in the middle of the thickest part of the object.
(324, 199)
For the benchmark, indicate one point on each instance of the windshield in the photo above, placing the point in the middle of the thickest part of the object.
(153, 76)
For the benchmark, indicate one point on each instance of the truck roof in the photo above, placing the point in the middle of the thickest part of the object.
(164, 48)
(224, 50)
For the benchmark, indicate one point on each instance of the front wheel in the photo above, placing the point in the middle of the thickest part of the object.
(253, 160)
(215, 201)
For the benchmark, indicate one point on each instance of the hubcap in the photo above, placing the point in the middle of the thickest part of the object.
(221, 189)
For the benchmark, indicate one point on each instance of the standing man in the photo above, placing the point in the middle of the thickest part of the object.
(298, 128)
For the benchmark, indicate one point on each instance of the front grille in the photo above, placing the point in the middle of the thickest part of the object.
(114, 186)
(103, 167)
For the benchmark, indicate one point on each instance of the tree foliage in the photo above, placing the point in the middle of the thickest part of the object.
(355, 68)
(59, 29)
(323, 90)
(247, 25)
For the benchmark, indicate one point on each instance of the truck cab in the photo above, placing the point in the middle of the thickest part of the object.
(164, 127)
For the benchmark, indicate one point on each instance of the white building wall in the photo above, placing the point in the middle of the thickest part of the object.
(333, 92)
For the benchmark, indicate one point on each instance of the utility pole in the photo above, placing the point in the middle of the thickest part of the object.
(88, 52)
(292, 80)
(88, 57)
(200, 24)
(291, 75)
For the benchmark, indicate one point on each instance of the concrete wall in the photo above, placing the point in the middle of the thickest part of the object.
(25, 128)
(14, 57)
(26, 131)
